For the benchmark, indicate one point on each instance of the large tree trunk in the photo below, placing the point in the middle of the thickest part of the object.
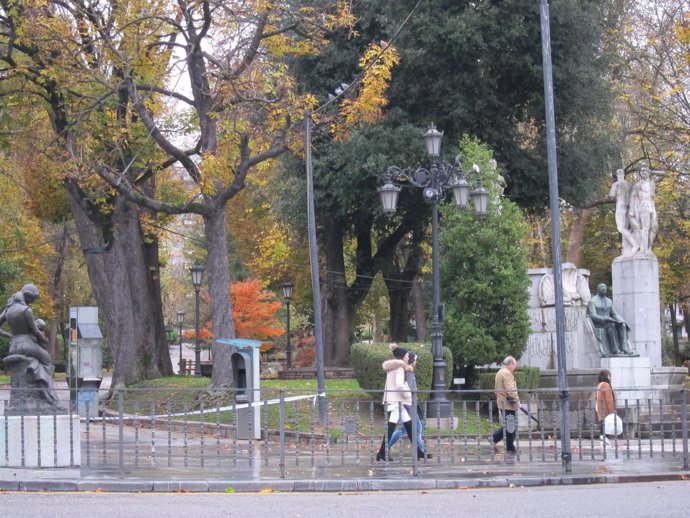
(420, 315)
(219, 291)
(57, 290)
(338, 313)
(121, 283)
(399, 296)
(399, 281)
(576, 236)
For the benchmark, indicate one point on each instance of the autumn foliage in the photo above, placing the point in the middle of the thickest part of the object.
(254, 313)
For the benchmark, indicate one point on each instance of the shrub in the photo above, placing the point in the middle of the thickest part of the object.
(366, 360)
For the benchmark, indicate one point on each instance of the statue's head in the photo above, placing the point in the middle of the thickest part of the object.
(620, 175)
(644, 171)
(602, 289)
(30, 292)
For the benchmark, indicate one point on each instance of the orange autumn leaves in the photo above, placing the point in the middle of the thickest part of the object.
(254, 313)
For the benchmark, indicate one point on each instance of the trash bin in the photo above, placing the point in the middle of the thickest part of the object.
(246, 378)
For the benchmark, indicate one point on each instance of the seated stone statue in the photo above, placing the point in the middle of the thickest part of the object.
(610, 328)
(28, 362)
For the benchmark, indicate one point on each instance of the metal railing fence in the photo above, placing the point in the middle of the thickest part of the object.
(281, 433)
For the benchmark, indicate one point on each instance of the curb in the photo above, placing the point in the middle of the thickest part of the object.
(312, 486)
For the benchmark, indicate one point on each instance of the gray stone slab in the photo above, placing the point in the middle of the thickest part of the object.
(326, 485)
(9, 485)
(250, 486)
(396, 484)
(48, 485)
(115, 486)
(177, 486)
(459, 484)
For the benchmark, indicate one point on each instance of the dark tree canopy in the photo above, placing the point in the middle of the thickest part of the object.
(476, 68)
(471, 68)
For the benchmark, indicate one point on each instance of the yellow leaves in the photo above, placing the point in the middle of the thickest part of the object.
(377, 65)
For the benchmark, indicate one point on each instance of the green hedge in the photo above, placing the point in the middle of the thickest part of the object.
(366, 360)
(527, 378)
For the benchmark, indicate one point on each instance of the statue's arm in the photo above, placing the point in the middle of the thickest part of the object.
(592, 314)
(31, 326)
(3, 320)
(612, 192)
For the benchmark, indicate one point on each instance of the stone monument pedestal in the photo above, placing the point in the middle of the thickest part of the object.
(629, 373)
(40, 441)
(636, 299)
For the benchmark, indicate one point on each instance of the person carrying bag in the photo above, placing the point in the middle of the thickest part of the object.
(605, 407)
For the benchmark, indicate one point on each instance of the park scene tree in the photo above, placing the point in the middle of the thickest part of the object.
(119, 118)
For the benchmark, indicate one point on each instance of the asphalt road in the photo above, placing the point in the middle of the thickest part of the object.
(638, 500)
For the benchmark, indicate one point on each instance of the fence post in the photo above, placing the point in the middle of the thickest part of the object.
(684, 426)
(281, 428)
(415, 445)
(121, 422)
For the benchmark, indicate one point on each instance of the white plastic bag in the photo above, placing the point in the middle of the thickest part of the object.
(613, 425)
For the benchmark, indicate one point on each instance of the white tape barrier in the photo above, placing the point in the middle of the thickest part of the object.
(221, 409)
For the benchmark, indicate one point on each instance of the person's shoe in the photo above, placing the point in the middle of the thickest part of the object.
(382, 456)
(516, 451)
(491, 442)
(605, 440)
(421, 455)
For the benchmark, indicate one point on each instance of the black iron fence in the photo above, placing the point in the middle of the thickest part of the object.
(281, 434)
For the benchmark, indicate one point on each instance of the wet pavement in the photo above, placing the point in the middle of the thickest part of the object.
(339, 474)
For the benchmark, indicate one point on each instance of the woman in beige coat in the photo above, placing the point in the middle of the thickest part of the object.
(396, 396)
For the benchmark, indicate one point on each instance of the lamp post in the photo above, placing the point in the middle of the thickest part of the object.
(180, 321)
(197, 273)
(435, 182)
(287, 295)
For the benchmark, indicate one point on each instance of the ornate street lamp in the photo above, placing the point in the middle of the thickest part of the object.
(180, 321)
(435, 182)
(197, 274)
(287, 295)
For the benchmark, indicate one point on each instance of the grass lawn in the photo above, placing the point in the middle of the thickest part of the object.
(347, 403)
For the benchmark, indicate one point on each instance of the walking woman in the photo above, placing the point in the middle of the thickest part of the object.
(605, 403)
(396, 396)
(397, 434)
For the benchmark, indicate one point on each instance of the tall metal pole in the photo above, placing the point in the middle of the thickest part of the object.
(566, 456)
(197, 344)
(314, 262)
(180, 362)
(289, 345)
(439, 406)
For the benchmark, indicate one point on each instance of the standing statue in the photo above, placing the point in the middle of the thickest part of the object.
(642, 211)
(500, 183)
(28, 361)
(620, 190)
(610, 328)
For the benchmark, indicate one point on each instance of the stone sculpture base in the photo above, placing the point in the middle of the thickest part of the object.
(40, 441)
(629, 373)
(27, 396)
(636, 299)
